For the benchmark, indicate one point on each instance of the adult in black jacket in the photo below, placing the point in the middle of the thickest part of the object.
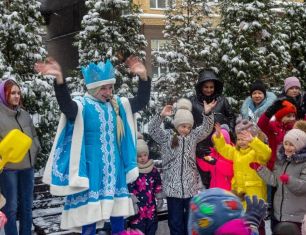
(210, 88)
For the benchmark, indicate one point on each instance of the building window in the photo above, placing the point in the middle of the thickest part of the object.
(158, 46)
(160, 4)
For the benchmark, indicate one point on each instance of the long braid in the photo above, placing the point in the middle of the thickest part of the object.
(120, 128)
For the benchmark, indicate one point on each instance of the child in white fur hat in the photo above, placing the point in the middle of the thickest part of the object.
(181, 179)
(289, 177)
(145, 188)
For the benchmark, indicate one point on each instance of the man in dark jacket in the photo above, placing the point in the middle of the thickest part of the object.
(210, 88)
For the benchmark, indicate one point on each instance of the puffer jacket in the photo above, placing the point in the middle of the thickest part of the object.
(223, 112)
(181, 178)
(19, 119)
(245, 180)
(290, 199)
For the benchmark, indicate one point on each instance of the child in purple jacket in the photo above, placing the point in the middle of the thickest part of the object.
(145, 188)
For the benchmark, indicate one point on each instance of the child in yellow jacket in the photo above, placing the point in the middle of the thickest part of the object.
(248, 148)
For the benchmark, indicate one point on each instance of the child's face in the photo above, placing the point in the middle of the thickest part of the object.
(184, 129)
(289, 119)
(143, 158)
(289, 148)
(241, 141)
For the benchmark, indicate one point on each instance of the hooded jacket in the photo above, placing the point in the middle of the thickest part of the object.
(290, 199)
(223, 112)
(18, 119)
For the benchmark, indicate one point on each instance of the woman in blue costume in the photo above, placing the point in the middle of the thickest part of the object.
(94, 155)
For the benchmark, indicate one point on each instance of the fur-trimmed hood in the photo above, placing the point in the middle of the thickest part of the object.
(258, 111)
(298, 157)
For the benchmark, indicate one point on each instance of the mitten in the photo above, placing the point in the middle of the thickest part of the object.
(277, 105)
(3, 219)
(255, 212)
(284, 178)
(255, 166)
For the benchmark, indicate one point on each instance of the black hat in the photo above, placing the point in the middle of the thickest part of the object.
(258, 86)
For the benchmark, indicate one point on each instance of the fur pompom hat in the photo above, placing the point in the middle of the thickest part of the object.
(288, 107)
(296, 137)
(212, 208)
(142, 146)
(183, 113)
(246, 125)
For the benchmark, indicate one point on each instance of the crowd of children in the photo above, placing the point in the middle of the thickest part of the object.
(265, 162)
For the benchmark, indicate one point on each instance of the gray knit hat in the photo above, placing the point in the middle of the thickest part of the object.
(183, 114)
(296, 137)
(246, 125)
(142, 146)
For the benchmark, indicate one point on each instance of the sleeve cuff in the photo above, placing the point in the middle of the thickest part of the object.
(132, 175)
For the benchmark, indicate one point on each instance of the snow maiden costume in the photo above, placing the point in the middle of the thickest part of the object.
(91, 161)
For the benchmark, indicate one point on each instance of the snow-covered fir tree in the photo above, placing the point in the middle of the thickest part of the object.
(293, 25)
(110, 27)
(189, 42)
(21, 46)
(252, 46)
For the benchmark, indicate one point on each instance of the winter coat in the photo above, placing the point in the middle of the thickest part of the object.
(251, 112)
(223, 112)
(181, 178)
(19, 119)
(145, 188)
(221, 171)
(290, 199)
(275, 132)
(245, 180)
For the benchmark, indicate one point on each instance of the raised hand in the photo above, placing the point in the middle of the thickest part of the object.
(137, 67)
(167, 111)
(218, 130)
(256, 210)
(209, 107)
(50, 67)
(246, 135)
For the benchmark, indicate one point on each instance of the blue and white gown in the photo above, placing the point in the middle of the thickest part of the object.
(90, 167)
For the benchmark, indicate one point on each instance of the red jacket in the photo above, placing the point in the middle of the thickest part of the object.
(275, 132)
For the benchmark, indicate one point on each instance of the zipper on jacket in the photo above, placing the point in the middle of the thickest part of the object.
(23, 132)
(182, 167)
(281, 205)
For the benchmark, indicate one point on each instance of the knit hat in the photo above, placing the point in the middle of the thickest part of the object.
(291, 82)
(296, 137)
(288, 107)
(212, 208)
(142, 146)
(258, 86)
(246, 125)
(183, 114)
(234, 227)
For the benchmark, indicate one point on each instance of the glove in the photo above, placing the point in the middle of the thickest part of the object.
(255, 166)
(210, 160)
(255, 211)
(277, 105)
(3, 219)
(284, 178)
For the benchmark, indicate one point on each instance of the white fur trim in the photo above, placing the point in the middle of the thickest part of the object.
(132, 175)
(100, 83)
(76, 183)
(93, 213)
